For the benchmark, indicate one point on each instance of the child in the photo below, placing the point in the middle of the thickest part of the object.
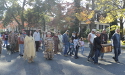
(81, 42)
(71, 48)
(0, 45)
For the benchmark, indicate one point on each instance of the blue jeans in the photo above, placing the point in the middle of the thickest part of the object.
(66, 48)
(97, 54)
(21, 47)
(92, 52)
(71, 51)
(101, 55)
(117, 52)
(5, 42)
(82, 49)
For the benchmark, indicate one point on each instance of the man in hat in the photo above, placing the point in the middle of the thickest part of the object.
(66, 42)
(91, 37)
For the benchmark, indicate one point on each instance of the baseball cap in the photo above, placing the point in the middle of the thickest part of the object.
(94, 30)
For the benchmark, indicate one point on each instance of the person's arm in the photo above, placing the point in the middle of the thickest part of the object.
(112, 39)
(106, 39)
(34, 35)
(89, 36)
(63, 39)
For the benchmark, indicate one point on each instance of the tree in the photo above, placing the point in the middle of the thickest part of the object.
(113, 10)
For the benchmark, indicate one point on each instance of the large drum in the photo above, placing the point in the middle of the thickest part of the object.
(106, 48)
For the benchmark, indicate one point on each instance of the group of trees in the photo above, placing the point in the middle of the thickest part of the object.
(59, 14)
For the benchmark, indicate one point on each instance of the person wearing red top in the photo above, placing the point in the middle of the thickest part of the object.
(21, 44)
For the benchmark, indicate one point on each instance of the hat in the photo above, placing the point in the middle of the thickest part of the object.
(98, 32)
(94, 30)
(48, 33)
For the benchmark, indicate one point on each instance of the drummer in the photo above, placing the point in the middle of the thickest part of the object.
(104, 38)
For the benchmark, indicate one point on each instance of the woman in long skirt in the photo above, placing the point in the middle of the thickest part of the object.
(56, 43)
(29, 47)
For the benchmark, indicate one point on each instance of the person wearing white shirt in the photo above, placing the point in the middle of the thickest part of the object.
(91, 37)
(60, 43)
(36, 36)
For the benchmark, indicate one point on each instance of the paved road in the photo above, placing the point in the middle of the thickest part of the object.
(60, 65)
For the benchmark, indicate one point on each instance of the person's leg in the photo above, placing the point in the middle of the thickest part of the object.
(37, 45)
(5, 43)
(21, 48)
(69, 51)
(0, 49)
(76, 52)
(66, 48)
(96, 56)
(102, 55)
(12, 47)
(119, 51)
(116, 54)
(82, 50)
(91, 53)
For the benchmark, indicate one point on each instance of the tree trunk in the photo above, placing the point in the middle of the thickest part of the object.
(121, 27)
(22, 17)
(77, 10)
(93, 19)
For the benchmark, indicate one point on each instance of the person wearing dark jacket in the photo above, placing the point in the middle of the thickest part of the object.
(104, 38)
(66, 42)
(97, 47)
(117, 45)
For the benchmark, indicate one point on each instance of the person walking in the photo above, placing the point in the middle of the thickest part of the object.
(16, 45)
(49, 46)
(73, 35)
(71, 50)
(3, 38)
(36, 36)
(56, 43)
(60, 41)
(81, 42)
(6, 39)
(97, 47)
(76, 45)
(116, 44)
(29, 47)
(12, 41)
(21, 44)
(104, 38)
(66, 42)
(91, 37)
(1, 45)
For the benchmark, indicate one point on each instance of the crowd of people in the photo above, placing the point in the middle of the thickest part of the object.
(28, 43)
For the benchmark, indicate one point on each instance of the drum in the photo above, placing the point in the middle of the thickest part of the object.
(106, 48)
